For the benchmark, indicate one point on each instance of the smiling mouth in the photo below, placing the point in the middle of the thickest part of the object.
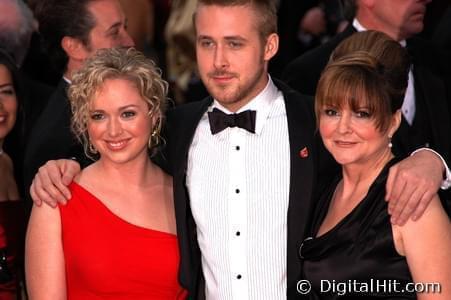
(345, 144)
(2, 118)
(116, 145)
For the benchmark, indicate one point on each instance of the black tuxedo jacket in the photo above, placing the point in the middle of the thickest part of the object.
(51, 137)
(181, 126)
(432, 84)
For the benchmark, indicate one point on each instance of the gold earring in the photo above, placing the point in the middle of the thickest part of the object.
(92, 149)
(153, 139)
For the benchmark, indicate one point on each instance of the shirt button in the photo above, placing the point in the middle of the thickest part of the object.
(237, 191)
(238, 233)
(238, 276)
(237, 148)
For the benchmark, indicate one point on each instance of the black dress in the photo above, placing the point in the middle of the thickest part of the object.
(356, 258)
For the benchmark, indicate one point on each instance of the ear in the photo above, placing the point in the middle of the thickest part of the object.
(74, 48)
(396, 121)
(271, 46)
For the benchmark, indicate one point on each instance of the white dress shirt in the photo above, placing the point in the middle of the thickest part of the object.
(238, 184)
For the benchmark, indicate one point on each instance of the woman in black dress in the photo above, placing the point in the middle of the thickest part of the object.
(353, 249)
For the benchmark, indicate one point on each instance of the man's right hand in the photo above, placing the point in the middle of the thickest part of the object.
(50, 183)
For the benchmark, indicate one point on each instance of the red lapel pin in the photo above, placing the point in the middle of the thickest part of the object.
(303, 153)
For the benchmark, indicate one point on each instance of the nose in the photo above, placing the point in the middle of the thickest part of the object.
(220, 60)
(126, 39)
(114, 127)
(344, 124)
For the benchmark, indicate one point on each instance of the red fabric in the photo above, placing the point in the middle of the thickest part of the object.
(107, 257)
(12, 236)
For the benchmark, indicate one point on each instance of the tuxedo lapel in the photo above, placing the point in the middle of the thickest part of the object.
(182, 123)
(303, 153)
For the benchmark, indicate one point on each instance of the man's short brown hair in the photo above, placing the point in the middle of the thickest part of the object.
(265, 10)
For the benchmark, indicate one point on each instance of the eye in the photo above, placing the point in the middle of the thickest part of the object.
(363, 114)
(97, 116)
(205, 43)
(7, 91)
(128, 114)
(330, 112)
(235, 45)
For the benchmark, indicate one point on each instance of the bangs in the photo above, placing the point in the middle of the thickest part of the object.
(356, 87)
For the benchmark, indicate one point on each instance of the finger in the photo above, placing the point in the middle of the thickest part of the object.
(402, 187)
(422, 205)
(392, 175)
(409, 208)
(395, 194)
(42, 194)
(36, 200)
(397, 203)
(56, 182)
(69, 171)
(47, 189)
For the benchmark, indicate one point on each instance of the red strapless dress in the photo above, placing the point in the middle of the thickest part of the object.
(108, 258)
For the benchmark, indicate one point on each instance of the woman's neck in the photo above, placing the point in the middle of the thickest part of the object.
(357, 178)
(138, 172)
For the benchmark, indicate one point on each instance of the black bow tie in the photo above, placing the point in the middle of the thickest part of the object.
(219, 120)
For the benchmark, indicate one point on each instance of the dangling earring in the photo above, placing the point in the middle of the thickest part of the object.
(92, 149)
(153, 139)
(390, 145)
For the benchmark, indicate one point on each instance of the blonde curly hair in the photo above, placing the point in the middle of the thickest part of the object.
(114, 63)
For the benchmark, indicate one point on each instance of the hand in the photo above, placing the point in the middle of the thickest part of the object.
(50, 183)
(411, 185)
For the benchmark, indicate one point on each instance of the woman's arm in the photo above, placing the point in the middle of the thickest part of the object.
(44, 258)
(426, 243)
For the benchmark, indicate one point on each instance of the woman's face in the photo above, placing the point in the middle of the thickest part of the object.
(119, 126)
(8, 102)
(352, 136)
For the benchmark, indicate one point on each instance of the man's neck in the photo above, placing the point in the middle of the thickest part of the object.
(362, 24)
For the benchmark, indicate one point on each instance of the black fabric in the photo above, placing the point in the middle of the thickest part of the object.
(432, 85)
(359, 248)
(304, 173)
(51, 137)
(219, 120)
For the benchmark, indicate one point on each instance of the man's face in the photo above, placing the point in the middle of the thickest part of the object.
(400, 19)
(110, 29)
(232, 59)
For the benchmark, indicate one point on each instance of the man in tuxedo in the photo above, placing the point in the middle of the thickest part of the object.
(72, 30)
(427, 105)
(245, 162)
(242, 196)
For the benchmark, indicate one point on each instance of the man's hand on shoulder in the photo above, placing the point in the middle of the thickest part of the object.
(412, 184)
(50, 183)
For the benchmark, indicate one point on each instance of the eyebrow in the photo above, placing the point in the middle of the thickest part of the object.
(114, 26)
(119, 109)
(227, 38)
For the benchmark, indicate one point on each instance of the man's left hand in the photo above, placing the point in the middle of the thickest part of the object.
(411, 185)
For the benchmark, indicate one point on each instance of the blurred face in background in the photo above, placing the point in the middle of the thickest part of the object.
(8, 102)
(400, 19)
(110, 28)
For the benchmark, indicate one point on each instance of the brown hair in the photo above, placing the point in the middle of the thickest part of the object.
(368, 69)
(265, 11)
(128, 64)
